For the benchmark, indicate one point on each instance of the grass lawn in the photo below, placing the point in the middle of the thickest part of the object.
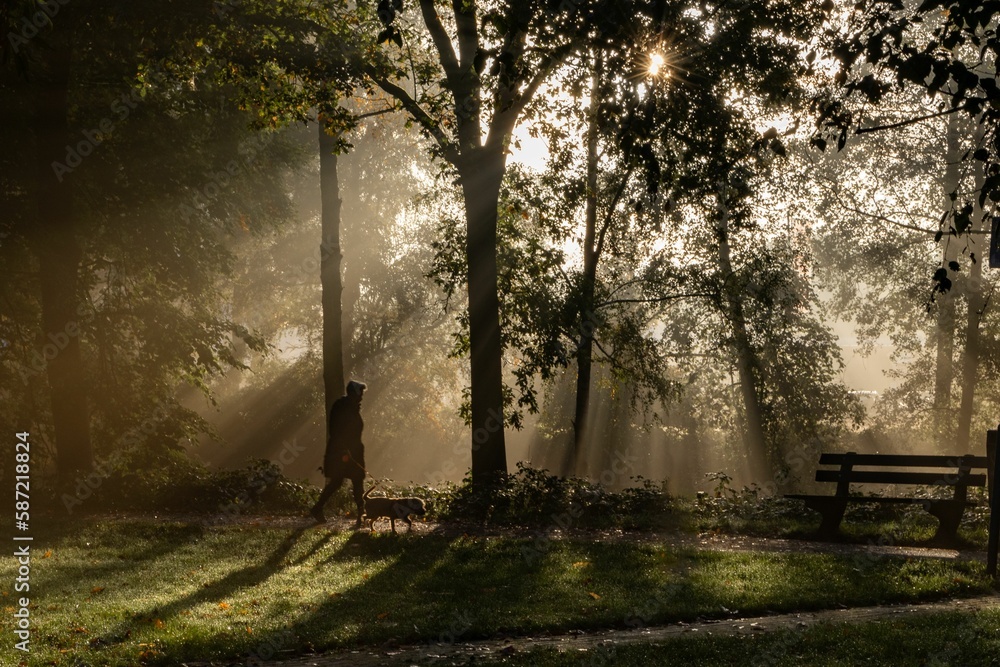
(126, 592)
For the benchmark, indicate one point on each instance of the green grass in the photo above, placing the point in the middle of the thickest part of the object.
(884, 524)
(127, 592)
(934, 640)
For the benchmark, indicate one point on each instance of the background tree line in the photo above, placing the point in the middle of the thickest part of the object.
(248, 202)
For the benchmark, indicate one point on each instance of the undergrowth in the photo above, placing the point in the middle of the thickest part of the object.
(528, 497)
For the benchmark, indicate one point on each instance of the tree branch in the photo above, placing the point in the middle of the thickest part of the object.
(658, 299)
(377, 112)
(608, 355)
(910, 121)
(504, 119)
(419, 114)
(555, 58)
(611, 211)
(896, 223)
(468, 35)
(442, 42)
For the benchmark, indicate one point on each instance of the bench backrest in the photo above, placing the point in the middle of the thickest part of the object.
(958, 470)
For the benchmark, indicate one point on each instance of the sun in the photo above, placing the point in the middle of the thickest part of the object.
(657, 63)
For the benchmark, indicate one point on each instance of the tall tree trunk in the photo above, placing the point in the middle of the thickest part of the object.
(352, 270)
(330, 280)
(747, 363)
(944, 369)
(585, 351)
(975, 304)
(59, 256)
(481, 172)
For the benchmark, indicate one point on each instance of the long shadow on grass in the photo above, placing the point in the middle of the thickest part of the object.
(250, 576)
(162, 540)
(433, 588)
(647, 578)
(317, 546)
(440, 589)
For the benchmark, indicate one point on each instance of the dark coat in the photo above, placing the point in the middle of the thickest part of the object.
(345, 454)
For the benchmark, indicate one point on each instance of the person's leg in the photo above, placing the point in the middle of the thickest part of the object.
(332, 484)
(358, 484)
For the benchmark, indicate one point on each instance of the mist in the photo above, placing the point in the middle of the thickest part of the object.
(677, 295)
(399, 333)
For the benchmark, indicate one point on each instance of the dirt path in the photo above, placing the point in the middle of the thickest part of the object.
(707, 541)
(462, 653)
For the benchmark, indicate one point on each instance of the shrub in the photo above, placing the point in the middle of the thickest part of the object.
(533, 497)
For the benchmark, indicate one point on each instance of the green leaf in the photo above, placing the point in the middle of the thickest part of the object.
(916, 68)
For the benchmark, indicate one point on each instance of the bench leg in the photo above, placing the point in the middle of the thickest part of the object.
(833, 514)
(949, 516)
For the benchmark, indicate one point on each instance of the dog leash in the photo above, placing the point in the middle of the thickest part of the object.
(348, 457)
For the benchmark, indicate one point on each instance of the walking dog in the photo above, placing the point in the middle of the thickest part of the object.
(394, 509)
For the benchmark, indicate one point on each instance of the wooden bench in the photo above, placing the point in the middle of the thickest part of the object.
(954, 471)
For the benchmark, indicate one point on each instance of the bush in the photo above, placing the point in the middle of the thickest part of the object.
(170, 481)
(535, 498)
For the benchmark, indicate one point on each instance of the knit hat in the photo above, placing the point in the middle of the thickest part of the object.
(355, 388)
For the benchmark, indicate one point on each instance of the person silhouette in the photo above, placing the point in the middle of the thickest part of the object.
(345, 453)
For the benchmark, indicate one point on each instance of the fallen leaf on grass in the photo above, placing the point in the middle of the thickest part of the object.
(594, 595)
(96, 589)
(223, 605)
(47, 554)
(582, 563)
(383, 615)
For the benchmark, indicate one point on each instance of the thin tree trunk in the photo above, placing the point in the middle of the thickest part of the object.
(585, 351)
(975, 303)
(944, 369)
(330, 280)
(747, 364)
(481, 172)
(59, 257)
